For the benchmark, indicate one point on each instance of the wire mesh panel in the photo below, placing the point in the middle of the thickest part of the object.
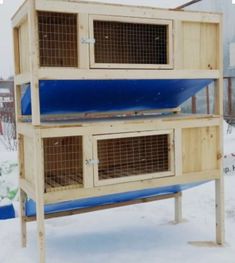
(123, 157)
(57, 39)
(130, 43)
(63, 162)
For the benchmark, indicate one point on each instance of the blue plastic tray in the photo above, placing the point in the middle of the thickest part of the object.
(86, 96)
(107, 199)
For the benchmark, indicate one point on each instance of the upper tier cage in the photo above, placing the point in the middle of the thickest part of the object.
(85, 61)
(86, 41)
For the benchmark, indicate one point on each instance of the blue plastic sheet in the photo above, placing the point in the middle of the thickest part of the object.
(7, 212)
(85, 96)
(107, 199)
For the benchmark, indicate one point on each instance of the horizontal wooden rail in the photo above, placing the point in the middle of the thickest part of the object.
(103, 207)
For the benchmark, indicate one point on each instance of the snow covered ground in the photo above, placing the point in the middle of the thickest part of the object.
(142, 233)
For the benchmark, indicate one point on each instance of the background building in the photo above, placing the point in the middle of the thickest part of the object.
(7, 113)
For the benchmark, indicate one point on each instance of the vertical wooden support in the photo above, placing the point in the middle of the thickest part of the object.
(219, 200)
(219, 97)
(230, 97)
(17, 96)
(207, 100)
(178, 208)
(83, 48)
(16, 50)
(39, 186)
(34, 62)
(88, 179)
(17, 88)
(219, 194)
(178, 54)
(22, 195)
(194, 104)
(219, 183)
(178, 172)
(23, 229)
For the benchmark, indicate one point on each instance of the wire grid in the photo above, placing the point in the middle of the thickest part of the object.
(130, 43)
(63, 161)
(57, 39)
(133, 156)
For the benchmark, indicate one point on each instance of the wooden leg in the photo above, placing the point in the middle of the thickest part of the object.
(39, 187)
(178, 208)
(22, 220)
(219, 200)
(41, 232)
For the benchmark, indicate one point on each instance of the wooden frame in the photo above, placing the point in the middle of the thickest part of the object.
(98, 182)
(168, 23)
(190, 31)
(91, 131)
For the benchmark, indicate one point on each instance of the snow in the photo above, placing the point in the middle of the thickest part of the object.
(141, 233)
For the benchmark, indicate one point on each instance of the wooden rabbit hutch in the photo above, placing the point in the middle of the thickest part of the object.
(98, 89)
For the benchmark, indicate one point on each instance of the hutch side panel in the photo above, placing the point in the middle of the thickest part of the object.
(200, 48)
(200, 149)
(28, 156)
(23, 42)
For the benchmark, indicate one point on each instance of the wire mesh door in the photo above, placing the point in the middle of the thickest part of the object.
(133, 156)
(57, 39)
(130, 42)
(63, 163)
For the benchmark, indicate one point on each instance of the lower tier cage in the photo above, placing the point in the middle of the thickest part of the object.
(113, 157)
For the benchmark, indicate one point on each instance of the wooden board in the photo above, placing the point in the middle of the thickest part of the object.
(200, 149)
(199, 45)
(28, 160)
(24, 47)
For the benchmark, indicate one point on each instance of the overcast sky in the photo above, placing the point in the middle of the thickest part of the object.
(8, 8)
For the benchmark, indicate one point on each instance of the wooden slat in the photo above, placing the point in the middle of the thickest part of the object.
(124, 10)
(74, 73)
(108, 206)
(73, 194)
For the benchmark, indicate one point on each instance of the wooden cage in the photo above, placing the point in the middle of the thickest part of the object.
(91, 154)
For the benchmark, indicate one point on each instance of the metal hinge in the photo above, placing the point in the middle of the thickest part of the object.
(92, 162)
(87, 40)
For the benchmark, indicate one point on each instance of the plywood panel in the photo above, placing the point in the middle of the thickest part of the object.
(24, 47)
(28, 159)
(200, 149)
(200, 45)
(209, 46)
(191, 45)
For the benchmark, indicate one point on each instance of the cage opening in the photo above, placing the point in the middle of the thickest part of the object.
(57, 39)
(130, 43)
(63, 162)
(124, 157)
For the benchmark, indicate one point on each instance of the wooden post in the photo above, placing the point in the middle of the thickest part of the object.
(22, 195)
(219, 183)
(207, 100)
(194, 104)
(219, 202)
(39, 186)
(88, 179)
(34, 63)
(230, 96)
(23, 229)
(178, 172)
(178, 208)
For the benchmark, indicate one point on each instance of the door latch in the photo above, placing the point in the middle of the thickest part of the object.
(92, 162)
(87, 40)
